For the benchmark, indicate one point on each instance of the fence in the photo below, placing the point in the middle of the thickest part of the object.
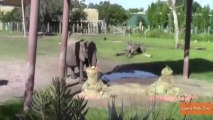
(11, 26)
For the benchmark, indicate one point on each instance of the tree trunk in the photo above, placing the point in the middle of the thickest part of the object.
(172, 7)
(32, 45)
(64, 37)
(81, 69)
(176, 30)
(23, 18)
(187, 39)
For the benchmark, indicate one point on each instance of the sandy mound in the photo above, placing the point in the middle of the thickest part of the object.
(94, 85)
(164, 86)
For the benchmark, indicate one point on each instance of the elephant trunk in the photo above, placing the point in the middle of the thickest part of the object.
(94, 60)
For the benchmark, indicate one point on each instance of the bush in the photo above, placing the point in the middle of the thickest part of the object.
(158, 111)
(159, 34)
(113, 114)
(56, 103)
(163, 35)
(202, 37)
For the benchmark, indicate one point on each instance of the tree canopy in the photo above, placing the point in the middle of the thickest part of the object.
(51, 10)
(113, 14)
(77, 11)
(14, 15)
(159, 15)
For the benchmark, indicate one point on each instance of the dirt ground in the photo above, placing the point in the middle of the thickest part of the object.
(13, 76)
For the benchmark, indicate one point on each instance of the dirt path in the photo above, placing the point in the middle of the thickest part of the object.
(13, 75)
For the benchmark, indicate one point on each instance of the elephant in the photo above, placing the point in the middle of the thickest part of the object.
(80, 53)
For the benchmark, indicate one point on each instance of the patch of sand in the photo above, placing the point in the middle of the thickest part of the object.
(14, 71)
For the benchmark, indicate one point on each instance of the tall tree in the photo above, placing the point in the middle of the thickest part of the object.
(211, 21)
(14, 15)
(172, 7)
(77, 11)
(135, 10)
(158, 15)
(205, 17)
(51, 10)
(151, 15)
(113, 14)
(92, 5)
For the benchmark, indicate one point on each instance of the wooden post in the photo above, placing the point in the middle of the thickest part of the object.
(64, 37)
(187, 39)
(48, 27)
(59, 27)
(88, 28)
(77, 26)
(17, 27)
(81, 25)
(32, 45)
(73, 28)
(23, 18)
(105, 28)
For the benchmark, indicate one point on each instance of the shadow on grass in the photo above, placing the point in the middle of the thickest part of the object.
(44, 34)
(197, 65)
(49, 34)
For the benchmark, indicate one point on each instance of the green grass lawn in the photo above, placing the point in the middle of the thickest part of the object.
(170, 111)
(162, 51)
(13, 46)
(16, 47)
(9, 109)
(9, 33)
(201, 61)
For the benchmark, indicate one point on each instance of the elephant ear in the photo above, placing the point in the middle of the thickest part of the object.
(82, 51)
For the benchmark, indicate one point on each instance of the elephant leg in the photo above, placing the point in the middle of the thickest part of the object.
(66, 71)
(87, 63)
(81, 70)
(72, 69)
(94, 59)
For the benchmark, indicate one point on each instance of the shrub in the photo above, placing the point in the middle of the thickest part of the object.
(159, 34)
(202, 37)
(158, 111)
(56, 103)
(113, 114)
